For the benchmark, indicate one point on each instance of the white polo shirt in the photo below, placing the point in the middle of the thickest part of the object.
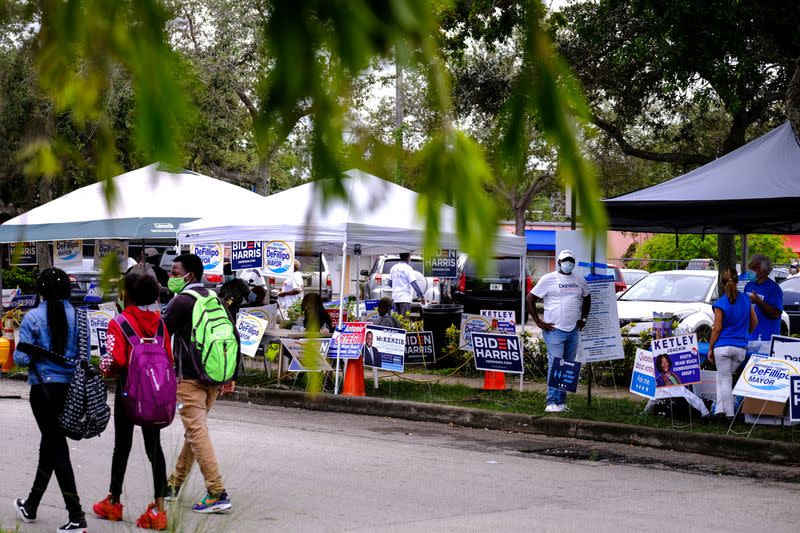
(295, 281)
(562, 295)
(402, 274)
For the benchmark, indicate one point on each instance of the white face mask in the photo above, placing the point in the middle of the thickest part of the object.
(566, 266)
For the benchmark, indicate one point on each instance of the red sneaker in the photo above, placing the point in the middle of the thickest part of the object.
(153, 519)
(107, 510)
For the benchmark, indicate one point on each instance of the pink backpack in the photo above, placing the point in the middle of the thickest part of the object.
(150, 389)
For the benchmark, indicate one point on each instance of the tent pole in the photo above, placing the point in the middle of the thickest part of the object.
(523, 285)
(745, 252)
(341, 316)
(591, 370)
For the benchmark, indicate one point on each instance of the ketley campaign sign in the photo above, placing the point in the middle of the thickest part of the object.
(347, 341)
(643, 378)
(564, 375)
(246, 254)
(385, 348)
(766, 378)
(600, 339)
(419, 348)
(497, 352)
(676, 360)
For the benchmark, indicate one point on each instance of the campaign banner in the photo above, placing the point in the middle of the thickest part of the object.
(766, 378)
(419, 348)
(497, 352)
(786, 348)
(564, 375)
(23, 254)
(98, 320)
(94, 294)
(307, 355)
(794, 398)
(676, 360)
(246, 254)
(384, 348)
(251, 329)
(347, 341)
(8, 296)
(211, 255)
(105, 247)
(67, 254)
(643, 378)
(601, 339)
(23, 301)
(472, 324)
(443, 265)
(278, 258)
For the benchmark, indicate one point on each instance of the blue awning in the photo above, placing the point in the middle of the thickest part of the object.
(541, 239)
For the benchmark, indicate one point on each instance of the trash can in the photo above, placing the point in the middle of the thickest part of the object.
(436, 318)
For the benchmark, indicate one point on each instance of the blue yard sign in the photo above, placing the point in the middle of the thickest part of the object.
(564, 375)
(794, 398)
(246, 254)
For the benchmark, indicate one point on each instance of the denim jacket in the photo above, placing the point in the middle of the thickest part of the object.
(34, 331)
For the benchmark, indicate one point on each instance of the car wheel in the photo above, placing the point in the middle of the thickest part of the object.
(703, 334)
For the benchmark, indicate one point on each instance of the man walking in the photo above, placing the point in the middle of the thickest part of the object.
(195, 397)
(766, 297)
(402, 282)
(566, 306)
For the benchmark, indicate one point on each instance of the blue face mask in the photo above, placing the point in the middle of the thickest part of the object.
(251, 297)
(566, 266)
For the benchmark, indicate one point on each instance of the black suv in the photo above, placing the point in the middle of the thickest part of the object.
(499, 288)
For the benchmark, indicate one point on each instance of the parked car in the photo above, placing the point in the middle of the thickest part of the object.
(685, 294)
(210, 281)
(632, 275)
(80, 277)
(310, 267)
(791, 301)
(499, 288)
(377, 283)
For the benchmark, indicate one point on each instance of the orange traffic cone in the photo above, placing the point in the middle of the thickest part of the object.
(494, 380)
(354, 378)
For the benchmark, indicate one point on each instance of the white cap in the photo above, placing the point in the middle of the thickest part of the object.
(566, 254)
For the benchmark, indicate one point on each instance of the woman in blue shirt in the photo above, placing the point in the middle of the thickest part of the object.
(51, 326)
(734, 319)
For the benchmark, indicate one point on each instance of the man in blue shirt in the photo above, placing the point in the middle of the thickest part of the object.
(766, 297)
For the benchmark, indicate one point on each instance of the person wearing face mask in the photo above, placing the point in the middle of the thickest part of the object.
(766, 297)
(566, 306)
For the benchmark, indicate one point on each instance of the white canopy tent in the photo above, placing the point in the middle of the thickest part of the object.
(150, 203)
(379, 217)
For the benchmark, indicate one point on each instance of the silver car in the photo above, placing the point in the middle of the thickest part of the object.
(377, 283)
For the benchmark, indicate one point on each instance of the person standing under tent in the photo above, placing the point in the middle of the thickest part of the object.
(292, 289)
(566, 306)
(766, 297)
(402, 282)
(384, 316)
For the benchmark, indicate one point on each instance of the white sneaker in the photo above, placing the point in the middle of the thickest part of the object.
(553, 408)
(564, 409)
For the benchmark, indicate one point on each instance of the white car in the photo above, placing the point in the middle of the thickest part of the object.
(633, 275)
(685, 294)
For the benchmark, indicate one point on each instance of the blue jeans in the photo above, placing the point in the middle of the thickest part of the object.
(563, 344)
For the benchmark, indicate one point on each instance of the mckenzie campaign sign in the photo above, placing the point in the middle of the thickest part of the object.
(643, 378)
(766, 378)
(676, 360)
(497, 352)
(246, 254)
(67, 254)
(385, 348)
(278, 258)
(443, 265)
(419, 348)
(472, 324)
(347, 341)
(564, 375)
(22, 254)
(601, 339)
(211, 255)
(251, 330)
(113, 247)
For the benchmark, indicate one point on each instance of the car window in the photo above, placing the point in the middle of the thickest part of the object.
(308, 263)
(670, 288)
(501, 266)
(416, 264)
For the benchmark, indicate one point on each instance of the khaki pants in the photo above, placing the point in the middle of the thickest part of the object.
(197, 400)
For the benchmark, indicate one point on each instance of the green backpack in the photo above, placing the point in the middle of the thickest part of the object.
(214, 336)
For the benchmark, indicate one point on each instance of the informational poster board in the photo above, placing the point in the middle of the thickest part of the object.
(384, 348)
(601, 339)
(307, 360)
(676, 360)
(497, 352)
(443, 265)
(211, 255)
(67, 254)
(246, 254)
(643, 378)
(347, 341)
(278, 258)
(766, 378)
(251, 330)
(419, 348)
(472, 324)
(564, 375)
(22, 254)
(106, 247)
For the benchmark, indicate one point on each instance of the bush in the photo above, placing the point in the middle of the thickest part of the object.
(14, 277)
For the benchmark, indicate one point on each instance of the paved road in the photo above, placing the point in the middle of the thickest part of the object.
(295, 470)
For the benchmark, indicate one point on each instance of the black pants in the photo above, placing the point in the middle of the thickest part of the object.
(47, 402)
(123, 441)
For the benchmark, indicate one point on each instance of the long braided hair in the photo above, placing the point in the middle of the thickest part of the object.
(53, 286)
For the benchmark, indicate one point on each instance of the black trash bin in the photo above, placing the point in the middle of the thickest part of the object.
(436, 318)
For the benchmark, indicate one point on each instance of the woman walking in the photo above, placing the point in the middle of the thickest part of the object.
(50, 327)
(734, 319)
(141, 313)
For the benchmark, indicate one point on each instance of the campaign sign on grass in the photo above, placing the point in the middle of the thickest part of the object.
(102, 335)
(497, 352)
(347, 341)
(794, 398)
(500, 315)
(246, 254)
(676, 360)
(564, 375)
(23, 301)
(766, 378)
(643, 378)
(786, 348)
(308, 355)
(99, 320)
(251, 329)
(385, 348)
(472, 324)
(9, 295)
(419, 348)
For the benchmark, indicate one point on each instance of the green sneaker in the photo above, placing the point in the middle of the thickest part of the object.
(213, 504)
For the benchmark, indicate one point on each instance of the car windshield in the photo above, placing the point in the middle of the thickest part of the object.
(670, 288)
(416, 264)
(792, 284)
(503, 266)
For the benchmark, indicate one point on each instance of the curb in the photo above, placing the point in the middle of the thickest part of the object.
(755, 450)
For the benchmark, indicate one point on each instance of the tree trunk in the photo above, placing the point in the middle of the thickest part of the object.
(726, 248)
(519, 220)
(793, 99)
(44, 254)
(263, 177)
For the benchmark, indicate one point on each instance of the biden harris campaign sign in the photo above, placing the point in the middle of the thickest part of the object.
(497, 352)
(246, 254)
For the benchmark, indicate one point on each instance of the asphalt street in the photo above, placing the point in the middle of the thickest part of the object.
(297, 470)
